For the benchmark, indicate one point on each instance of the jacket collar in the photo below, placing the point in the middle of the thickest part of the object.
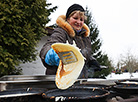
(61, 22)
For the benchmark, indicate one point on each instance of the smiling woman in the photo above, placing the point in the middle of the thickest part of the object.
(71, 28)
(76, 20)
(116, 20)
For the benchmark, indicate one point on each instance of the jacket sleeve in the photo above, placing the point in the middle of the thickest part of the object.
(59, 35)
(93, 62)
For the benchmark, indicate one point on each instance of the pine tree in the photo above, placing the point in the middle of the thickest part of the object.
(22, 24)
(96, 45)
(94, 33)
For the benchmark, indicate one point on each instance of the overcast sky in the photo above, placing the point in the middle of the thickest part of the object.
(117, 21)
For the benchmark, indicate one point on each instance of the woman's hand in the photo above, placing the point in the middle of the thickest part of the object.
(52, 58)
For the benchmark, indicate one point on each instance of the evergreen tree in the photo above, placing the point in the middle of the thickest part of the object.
(22, 24)
(96, 44)
(94, 33)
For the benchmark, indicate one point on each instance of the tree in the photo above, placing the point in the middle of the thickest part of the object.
(128, 62)
(22, 24)
(96, 44)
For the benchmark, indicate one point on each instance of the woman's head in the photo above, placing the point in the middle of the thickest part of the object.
(75, 16)
(74, 7)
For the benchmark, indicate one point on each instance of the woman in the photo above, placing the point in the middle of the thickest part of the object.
(70, 28)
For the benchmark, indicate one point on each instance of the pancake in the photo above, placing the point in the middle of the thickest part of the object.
(67, 74)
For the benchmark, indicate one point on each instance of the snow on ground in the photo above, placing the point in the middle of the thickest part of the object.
(110, 79)
(122, 76)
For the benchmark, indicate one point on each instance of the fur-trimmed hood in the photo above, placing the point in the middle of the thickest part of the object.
(61, 22)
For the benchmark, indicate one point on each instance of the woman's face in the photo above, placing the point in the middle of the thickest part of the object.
(76, 21)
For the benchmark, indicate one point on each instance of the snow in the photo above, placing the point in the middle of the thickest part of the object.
(122, 76)
(112, 78)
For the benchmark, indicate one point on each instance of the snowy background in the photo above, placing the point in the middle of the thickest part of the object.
(122, 76)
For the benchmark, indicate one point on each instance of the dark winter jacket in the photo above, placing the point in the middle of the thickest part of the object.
(64, 33)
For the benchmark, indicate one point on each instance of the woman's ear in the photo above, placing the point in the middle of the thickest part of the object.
(68, 19)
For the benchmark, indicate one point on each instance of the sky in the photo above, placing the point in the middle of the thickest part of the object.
(117, 21)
